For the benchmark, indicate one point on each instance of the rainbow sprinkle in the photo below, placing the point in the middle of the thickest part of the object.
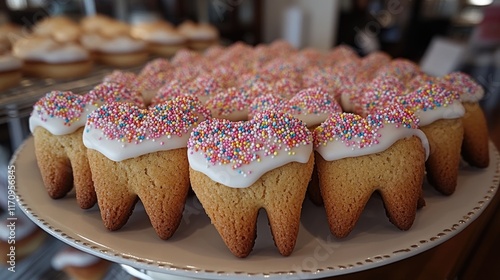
(203, 85)
(168, 91)
(382, 91)
(357, 132)
(128, 123)
(428, 97)
(230, 100)
(342, 53)
(108, 92)
(125, 78)
(312, 101)
(184, 57)
(64, 105)
(240, 143)
(266, 102)
(463, 84)
(156, 66)
(419, 81)
(286, 87)
(150, 81)
(401, 68)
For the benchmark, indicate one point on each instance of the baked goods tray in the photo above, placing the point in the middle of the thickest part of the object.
(197, 251)
(17, 102)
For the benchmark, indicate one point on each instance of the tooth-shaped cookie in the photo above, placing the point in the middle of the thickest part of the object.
(57, 123)
(236, 168)
(439, 111)
(357, 156)
(475, 149)
(141, 153)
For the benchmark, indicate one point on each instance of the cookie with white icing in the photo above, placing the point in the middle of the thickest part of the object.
(475, 148)
(57, 123)
(80, 265)
(200, 36)
(141, 154)
(262, 163)
(356, 156)
(112, 43)
(28, 237)
(161, 37)
(47, 58)
(440, 113)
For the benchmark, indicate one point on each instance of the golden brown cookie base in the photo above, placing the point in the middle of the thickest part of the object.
(233, 211)
(475, 150)
(164, 49)
(122, 59)
(95, 271)
(57, 70)
(25, 246)
(396, 173)
(160, 180)
(445, 142)
(63, 164)
(313, 190)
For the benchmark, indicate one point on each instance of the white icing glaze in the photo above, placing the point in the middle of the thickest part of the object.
(234, 178)
(56, 125)
(49, 51)
(73, 257)
(24, 227)
(9, 62)
(334, 150)
(118, 44)
(472, 97)
(117, 150)
(452, 111)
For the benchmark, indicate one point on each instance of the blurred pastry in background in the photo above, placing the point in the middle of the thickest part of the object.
(93, 23)
(110, 42)
(80, 265)
(24, 236)
(200, 36)
(60, 28)
(44, 57)
(10, 70)
(162, 38)
(19, 236)
(9, 33)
